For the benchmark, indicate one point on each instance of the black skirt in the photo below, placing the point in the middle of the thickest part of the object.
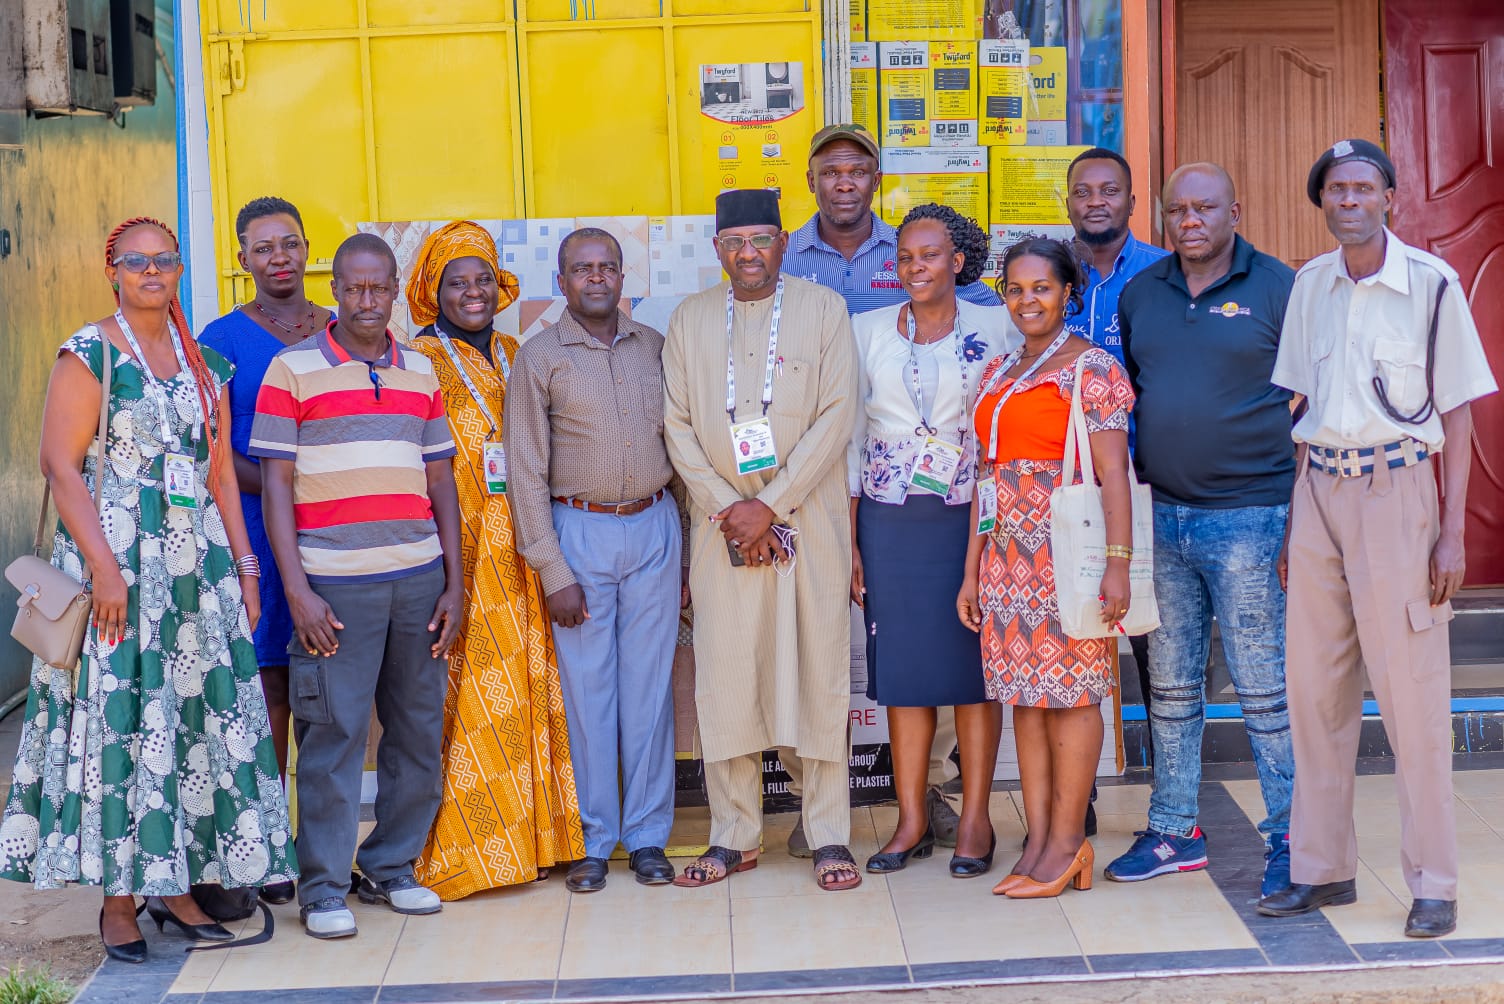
(919, 654)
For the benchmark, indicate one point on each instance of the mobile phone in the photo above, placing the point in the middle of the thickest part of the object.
(736, 556)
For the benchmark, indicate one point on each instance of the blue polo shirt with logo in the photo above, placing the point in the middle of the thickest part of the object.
(1213, 431)
(870, 279)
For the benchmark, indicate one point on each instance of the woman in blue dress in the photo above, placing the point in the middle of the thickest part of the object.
(274, 250)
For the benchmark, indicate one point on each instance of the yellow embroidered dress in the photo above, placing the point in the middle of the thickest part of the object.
(509, 804)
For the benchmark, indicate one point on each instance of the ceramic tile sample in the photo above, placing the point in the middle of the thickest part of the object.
(530, 251)
(681, 255)
(632, 233)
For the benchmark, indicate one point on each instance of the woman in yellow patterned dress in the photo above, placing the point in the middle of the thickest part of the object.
(510, 809)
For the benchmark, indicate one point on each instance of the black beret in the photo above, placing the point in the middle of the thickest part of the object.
(747, 207)
(1343, 151)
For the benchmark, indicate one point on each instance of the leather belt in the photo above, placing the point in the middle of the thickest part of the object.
(619, 509)
(1354, 463)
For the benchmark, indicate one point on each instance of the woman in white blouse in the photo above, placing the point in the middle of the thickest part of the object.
(913, 473)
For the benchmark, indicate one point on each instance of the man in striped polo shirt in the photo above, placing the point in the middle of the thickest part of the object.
(364, 521)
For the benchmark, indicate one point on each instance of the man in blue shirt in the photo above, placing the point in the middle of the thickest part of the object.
(845, 247)
(1099, 199)
(1201, 331)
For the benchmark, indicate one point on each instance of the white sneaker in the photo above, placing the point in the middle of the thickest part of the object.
(328, 918)
(402, 894)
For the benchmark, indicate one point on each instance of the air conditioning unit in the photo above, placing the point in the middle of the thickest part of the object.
(68, 56)
(133, 24)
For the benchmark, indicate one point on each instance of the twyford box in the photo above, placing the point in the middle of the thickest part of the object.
(953, 94)
(903, 80)
(895, 20)
(955, 177)
(1003, 91)
(864, 86)
(1005, 235)
(858, 20)
(1047, 88)
(1028, 185)
(953, 132)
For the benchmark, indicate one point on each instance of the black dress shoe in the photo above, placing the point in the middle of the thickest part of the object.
(1431, 918)
(133, 952)
(896, 861)
(1300, 898)
(651, 866)
(586, 875)
(964, 867)
(279, 893)
(159, 911)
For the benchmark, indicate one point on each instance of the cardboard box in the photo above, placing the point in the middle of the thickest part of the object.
(953, 132)
(955, 177)
(953, 80)
(859, 20)
(1004, 235)
(1003, 91)
(895, 20)
(864, 87)
(1028, 184)
(1047, 87)
(903, 78)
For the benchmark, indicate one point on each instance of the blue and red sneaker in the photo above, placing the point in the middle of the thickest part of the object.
(1154, 854)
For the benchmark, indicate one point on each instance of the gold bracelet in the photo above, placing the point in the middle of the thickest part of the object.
(1119, 551)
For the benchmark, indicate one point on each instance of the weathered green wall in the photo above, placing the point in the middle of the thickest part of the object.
(72, 180)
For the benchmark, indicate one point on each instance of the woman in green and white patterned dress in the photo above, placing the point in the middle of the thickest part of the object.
(158, 771)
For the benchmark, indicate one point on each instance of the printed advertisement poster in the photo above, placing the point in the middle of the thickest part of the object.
(893, 20)
(955, 177)
(1028, 183)
(756, 124)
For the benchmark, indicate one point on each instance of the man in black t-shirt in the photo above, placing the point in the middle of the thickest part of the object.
(1200, 333)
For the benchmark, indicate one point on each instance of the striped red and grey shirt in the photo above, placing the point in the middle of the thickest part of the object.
(358, 435)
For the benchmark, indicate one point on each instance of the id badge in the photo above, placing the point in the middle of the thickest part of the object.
(495, 457)
(986, 505)
(752, 445)
(177, 478)
(935, 467)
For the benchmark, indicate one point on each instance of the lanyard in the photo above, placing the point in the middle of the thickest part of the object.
(916, 385)
(154, 387)
(1007, 365)
(767, 378)
(475, 395)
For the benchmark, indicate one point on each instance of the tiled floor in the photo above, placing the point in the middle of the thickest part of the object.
(771, 928)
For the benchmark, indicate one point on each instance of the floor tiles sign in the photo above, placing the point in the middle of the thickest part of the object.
(756, 125)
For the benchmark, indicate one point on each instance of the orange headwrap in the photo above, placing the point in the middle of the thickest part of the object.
(460, 239)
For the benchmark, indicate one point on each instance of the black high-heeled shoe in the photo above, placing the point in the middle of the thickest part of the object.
(964, 867)
(159, 911)
(133, 952)
(896, 861)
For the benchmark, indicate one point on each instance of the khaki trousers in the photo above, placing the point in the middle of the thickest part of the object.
(734, 788)
(942, 767)
(1359, 598)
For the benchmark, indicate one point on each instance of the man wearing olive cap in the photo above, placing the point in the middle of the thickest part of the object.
(760, 395)
(1379, 343)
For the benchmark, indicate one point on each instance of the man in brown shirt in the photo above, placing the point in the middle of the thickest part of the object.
(589, 476)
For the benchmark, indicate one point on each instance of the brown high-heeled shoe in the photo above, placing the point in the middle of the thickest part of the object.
(1007, 882)
(1078, 874)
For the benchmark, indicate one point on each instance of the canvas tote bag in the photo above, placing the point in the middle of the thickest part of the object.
(1078, 539)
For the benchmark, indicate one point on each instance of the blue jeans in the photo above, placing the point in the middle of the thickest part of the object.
(617, 671)
(1217, 561)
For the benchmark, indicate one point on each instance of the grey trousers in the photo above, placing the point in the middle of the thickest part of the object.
(384, 656)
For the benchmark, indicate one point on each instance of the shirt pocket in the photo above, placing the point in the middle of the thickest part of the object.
(652, 400)
(790, 389)
(1400, 363)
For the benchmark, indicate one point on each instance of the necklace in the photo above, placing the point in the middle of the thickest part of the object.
(943, 331)
(291, 329)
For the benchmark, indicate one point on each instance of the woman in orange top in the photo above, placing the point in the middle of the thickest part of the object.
(1055, 683)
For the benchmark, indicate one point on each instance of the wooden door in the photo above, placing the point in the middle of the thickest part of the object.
(1262, 88)
(1444, 66)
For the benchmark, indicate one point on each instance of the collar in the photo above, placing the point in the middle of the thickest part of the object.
(572, 332)
(1394, 273)
(1130, 245)
(1242, 264)
(808, 237)
(335, 354)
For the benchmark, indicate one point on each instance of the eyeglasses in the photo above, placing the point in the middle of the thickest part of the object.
(735, 242)
(135, 261)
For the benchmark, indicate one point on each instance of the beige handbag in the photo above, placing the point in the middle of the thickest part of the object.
(1078, 540)
(54, 607)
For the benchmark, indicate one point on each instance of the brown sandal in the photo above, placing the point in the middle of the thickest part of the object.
(835, 859)
(717, 864)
